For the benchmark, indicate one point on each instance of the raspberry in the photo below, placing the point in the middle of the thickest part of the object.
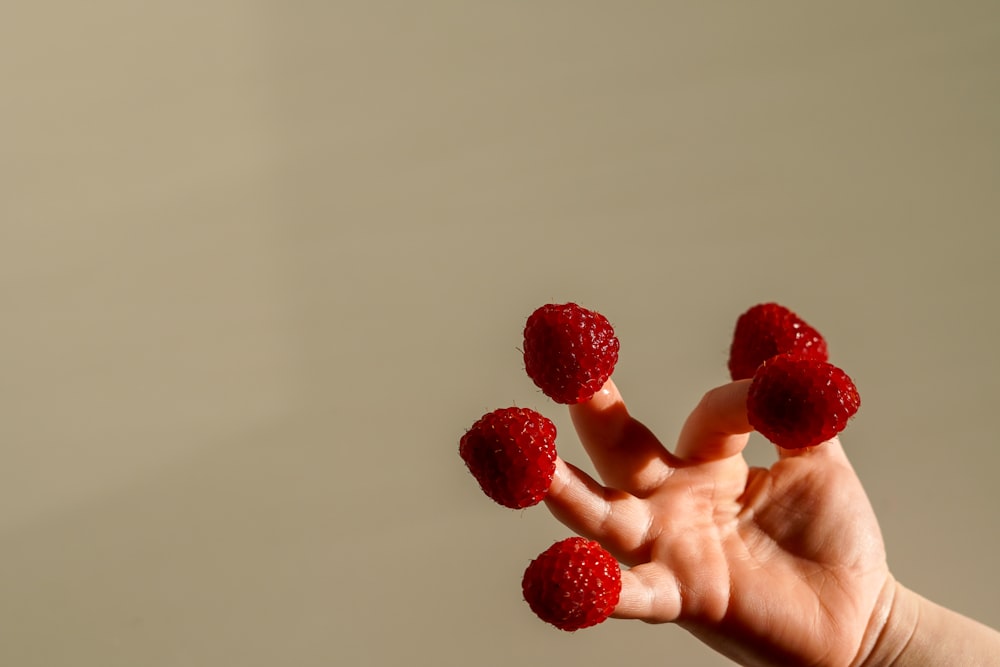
(768, 329)
(569, 351)
(797, 403)
(573, 584)
(512, 454)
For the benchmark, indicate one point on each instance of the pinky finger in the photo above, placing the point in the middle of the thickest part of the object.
(650, 593)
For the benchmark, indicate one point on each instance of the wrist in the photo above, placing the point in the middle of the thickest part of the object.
(892, 627)
(910, 631)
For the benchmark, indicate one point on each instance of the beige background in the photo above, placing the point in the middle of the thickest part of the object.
(263, 262)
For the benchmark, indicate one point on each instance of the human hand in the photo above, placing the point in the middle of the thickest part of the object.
(779, 565)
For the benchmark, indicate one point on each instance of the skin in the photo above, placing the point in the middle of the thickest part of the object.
(769, 566)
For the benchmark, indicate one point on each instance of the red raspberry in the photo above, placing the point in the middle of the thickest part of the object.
(569, 351)
(512, 454)
(797, 403)
(573, 584)
(768, 329)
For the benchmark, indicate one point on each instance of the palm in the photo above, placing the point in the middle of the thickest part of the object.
(781, 565)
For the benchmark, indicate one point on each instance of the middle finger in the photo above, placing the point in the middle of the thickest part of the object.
(625, 453)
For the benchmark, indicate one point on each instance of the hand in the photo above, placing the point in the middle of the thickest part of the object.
(779, 565)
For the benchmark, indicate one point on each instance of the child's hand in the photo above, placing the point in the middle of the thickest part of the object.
(783, 565)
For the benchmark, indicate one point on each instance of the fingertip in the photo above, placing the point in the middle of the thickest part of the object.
(831, 449)
(728, 404)
(607, 397)
(601, 417)
(562, 478)
(576, 499)
(601, 421)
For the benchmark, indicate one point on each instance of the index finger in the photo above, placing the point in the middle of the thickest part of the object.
(718, 427)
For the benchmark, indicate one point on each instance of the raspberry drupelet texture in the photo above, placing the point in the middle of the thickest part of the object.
(766, 330)
(569, 351)
(573, 584)
(797, 403)
(512, 454)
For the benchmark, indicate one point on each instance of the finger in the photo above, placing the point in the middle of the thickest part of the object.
(717, 428)
(830, 450)
(617, 520)
(650, 592)
(625, 453)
